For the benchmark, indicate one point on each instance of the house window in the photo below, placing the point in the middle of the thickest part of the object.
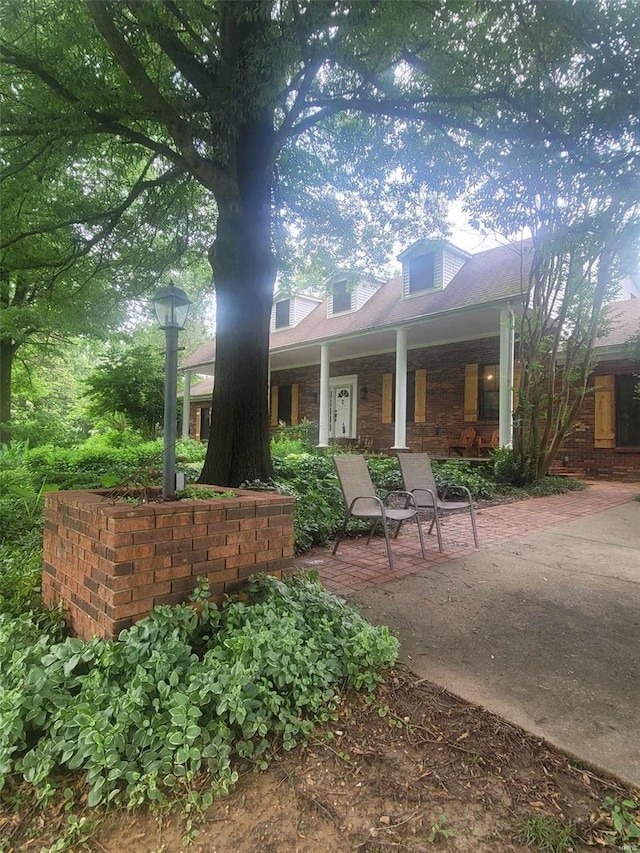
(284, 404)
(283, 311)
(422, 273)
(341, 297)
(205, 423)
(627, 411)
(489, 392)
(411, 397)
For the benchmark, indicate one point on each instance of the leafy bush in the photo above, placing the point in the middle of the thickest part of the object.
(20, 583)
(301, 438)
(311, 479)
(21, 494)
(93, 464)
(182, 691)
(509, 470)
(457, 472)
(385, 473)
(99, 463)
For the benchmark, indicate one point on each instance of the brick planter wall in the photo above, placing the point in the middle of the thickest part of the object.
(111, 562)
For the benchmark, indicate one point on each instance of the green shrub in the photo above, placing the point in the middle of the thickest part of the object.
(311, 479)
(301, 438)
(509, 470)
(457, 472)
(181, 691)
(385, 473)
(20, 583)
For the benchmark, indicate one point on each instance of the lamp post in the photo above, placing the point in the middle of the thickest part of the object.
(171, 306)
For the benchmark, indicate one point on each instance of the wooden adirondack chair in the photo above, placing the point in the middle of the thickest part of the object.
(486, 445)
(463, 446)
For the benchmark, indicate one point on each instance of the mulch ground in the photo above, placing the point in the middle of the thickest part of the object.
(408, 769)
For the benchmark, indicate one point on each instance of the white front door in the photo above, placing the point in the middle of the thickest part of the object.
(341, 411)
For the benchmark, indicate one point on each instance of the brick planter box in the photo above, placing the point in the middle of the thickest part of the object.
(110, 562)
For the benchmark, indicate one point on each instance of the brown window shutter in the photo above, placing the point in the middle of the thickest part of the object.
(605, 430)
(420, 401)
(294, 405)
(274, 406)
(516, 383)
(471, 392)
(387, 385)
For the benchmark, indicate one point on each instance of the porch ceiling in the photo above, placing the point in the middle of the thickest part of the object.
(426, 332)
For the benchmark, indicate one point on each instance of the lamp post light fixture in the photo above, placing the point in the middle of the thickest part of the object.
(171, 306)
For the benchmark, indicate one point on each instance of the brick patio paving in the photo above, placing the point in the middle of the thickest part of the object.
(357, 566)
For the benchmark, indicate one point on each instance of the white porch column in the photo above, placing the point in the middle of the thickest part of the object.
(507, 333)
(400, 442)
(323, 417)
(186, 403)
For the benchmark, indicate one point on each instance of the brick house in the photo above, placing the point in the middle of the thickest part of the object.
(410, 362)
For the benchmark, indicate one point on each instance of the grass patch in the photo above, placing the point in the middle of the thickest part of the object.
(548, 833)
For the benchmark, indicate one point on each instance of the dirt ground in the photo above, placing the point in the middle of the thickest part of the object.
(413, 769)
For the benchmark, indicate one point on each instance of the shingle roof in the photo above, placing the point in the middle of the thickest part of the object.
(489, 276)
(625, 316)
(205, 354)
(486, 277)
(204, 388)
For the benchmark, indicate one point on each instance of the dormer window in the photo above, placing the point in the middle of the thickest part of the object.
(429, 265)
(341, 297)
(422, 273)
(283, 314)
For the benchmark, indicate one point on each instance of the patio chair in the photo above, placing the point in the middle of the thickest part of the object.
(463, 445)
(489, 444)
(419, 481)
(363, 502)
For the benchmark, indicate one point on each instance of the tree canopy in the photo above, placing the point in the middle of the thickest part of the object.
(129, 381)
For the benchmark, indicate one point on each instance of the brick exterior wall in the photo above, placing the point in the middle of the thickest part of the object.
(579, 454)
(445, 393)
(445, 366)
(110, 563)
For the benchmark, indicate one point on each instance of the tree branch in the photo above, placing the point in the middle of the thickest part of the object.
(175, 49)
(103, 122)
(114, 215)
(211, 175)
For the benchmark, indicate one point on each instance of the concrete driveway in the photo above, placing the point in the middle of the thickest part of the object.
(543, 630)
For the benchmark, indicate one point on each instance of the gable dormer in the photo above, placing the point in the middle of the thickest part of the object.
(429, 265)
(348, 292)
(289, 309)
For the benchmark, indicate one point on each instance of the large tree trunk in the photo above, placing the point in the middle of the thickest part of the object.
(7, 352)
(244, 273)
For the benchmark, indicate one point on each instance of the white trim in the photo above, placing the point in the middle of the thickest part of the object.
(186, 403)
(507, 332)
(352, 381)
(323, 415)
(400, 414)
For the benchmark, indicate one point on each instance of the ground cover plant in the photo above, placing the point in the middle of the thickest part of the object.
(384, 774)
(183, 691)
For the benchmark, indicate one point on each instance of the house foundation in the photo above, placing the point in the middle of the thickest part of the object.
(110, 562)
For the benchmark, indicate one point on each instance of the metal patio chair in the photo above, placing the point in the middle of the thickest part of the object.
(363, 502)
(419, 481)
